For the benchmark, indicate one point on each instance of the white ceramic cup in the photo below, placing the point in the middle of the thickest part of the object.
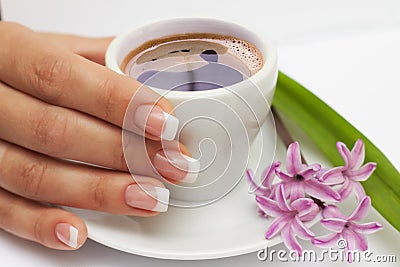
(218, 126)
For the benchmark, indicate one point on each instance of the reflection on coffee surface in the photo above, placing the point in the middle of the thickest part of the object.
(193, 62)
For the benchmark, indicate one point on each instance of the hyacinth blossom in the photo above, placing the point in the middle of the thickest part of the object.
(352, 172)
(303, 191)
(347, 228)
(265, 188)
(289, 218)
(301, 178)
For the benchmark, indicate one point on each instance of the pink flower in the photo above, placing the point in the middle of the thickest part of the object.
(299, 193)
(347, 228)
(265, 188)
(288, 218)
(352, 172)
(301, 178)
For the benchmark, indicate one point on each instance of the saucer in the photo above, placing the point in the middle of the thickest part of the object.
(228, 227)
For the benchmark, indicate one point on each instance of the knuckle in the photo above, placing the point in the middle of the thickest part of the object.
(39, 227)
(10, 33)
(119, 158)
(49, 75)
(9, 30)
(5, 31)
(6, 214)
(108, 101)
(122, 162)
(50, 130)
(99, 192)
(31, 178)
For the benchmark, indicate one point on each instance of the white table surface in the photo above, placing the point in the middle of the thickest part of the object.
(347, 52)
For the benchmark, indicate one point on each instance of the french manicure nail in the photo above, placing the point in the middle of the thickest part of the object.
(176, 166)
(67, 234)
(153, 120)
(147, 197)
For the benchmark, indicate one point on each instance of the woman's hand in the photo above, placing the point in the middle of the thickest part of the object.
(57, 102)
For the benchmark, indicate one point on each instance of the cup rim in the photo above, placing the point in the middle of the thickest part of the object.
(269, 53)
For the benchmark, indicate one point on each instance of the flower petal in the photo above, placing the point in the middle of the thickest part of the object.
(289, 240)
(306, 208)
(250, 179)
(350, 239)
(281, 199)
(350, 244)
(269, 206)
(366, 228)
(334, 224)
(355, 241)
(269, 174)
(320, 191)
(310, 171)
(261, 212)
(296, 191)
(346, 189)
(293, 159)
(332, 176)
(358, 190)
(309, 214)
(283, 176)
(326, 241)
(363, 173)
(357, 155)
(254, 188)
(301, 230)
(361, 241)
(345, 153)
(332, 211)
(302, 204)
(362, 209)
(273, 191)
(277, 226)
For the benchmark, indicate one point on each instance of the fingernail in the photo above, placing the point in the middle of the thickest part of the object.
(67, 234)
(176, 166)
(147, 197)
(153, 120)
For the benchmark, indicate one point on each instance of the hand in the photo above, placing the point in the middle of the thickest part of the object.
(59, 106)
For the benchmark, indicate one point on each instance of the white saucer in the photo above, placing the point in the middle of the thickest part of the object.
(228, 227)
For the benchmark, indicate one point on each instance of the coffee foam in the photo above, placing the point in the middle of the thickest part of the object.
(245, 52)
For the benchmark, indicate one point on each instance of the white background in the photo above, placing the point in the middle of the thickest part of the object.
(346, 52)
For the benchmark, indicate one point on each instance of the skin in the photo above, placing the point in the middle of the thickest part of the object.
(57, 102)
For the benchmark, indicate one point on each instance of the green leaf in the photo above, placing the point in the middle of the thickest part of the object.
(325, 127)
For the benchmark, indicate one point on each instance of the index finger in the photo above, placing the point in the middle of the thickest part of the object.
(88, 47)
(60, 77)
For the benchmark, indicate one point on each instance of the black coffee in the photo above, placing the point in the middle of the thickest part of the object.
(193, 62)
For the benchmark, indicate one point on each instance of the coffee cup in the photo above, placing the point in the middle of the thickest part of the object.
(218, 125)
